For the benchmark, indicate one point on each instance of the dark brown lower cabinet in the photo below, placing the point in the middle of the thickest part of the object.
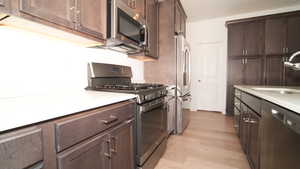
(94, 154)
(97, 139)
(244, 128)
(122, 147)
(249, 131)
(254, 141)
(21, 149)
(111, 150)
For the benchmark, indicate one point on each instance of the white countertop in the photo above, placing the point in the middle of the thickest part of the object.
(22, 111)
(288, 101)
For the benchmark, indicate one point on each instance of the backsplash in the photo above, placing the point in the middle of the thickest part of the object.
(32, 64)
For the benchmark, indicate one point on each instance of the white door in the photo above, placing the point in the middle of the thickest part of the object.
(208, 77)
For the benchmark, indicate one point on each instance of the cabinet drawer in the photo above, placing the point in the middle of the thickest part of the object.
(21, 149)
(251, 101)
(82, 126)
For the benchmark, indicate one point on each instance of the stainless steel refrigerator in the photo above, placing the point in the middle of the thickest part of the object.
(183, 83)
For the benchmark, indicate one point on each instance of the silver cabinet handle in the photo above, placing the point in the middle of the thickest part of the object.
(274, 112)
(252, 121)
(246, 61)
(108, 153)
(246, 52)
(243, 52)
(288, 122)
(114, 145)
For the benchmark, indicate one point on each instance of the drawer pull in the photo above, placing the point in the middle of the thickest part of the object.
(111, 119)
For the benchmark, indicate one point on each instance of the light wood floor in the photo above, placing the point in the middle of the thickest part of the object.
(209, 142)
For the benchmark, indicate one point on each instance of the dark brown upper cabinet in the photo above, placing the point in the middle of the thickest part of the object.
(152, 23)
(180, 19)
(254, 38)
(236, 39)
(91, 19)
(246, 39)
(282, 35)
(61, 12)
(275, 36)
(293, 36)
(73, 14)
(4, 5)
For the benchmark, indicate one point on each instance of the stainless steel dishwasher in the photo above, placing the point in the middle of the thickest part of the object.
(280, 138)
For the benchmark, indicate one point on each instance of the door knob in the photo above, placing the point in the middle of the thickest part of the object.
(199, 81)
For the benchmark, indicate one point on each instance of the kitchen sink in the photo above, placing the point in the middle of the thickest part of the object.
(279, 90)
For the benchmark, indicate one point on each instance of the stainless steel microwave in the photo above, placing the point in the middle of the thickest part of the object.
(126, 30)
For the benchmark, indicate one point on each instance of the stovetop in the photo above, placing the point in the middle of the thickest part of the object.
(129, 88)
(145, 92)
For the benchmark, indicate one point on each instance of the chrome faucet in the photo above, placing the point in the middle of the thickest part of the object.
(294, 66)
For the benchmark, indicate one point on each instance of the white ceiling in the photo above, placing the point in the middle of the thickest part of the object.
(207, 9)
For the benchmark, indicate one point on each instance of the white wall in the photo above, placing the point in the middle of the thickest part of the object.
(214, 30)
(31, 64)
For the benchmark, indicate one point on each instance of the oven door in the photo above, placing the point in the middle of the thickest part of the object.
(126, 25)
(151, 128)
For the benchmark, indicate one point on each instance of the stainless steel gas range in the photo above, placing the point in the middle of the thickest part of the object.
(151, 114)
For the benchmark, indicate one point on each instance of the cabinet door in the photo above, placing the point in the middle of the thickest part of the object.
(122, 147)
(254, 38)
(235, 77)
(60, 12)
(92, 18)
(253, 71)
(275, 36)
(236, 40)
(293, 38)
(244, 128)
(152, 22)
(274, 70)
(292, 77)
(236, 71)
(92, 154)
(4, 5)
(254, 141)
